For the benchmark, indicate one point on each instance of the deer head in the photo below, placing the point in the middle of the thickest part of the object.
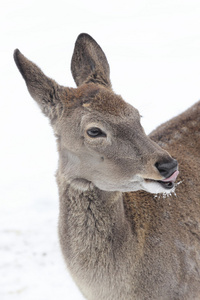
(100, 138)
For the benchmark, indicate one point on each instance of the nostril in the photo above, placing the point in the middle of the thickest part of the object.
(166, 169)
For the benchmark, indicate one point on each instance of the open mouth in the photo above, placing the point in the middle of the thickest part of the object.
(168, 183)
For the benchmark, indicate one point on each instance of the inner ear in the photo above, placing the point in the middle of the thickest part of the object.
(44, 90)
(89, 63)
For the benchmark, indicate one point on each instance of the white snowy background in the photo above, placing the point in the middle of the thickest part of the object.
(153, 47)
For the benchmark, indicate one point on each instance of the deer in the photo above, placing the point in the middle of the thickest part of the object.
(128, 228)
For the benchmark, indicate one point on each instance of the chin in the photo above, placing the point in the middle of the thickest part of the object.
(138, 184)
(148, 185)
(156, 187)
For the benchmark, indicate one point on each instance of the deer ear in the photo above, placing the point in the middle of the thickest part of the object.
(89, 63)
(43, 89)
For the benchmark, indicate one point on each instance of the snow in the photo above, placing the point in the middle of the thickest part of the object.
(153, 48)
(31, 264)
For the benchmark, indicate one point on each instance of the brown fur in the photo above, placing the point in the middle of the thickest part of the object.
(117, 244)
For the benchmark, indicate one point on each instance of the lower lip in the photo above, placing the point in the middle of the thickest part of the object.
(167, 185)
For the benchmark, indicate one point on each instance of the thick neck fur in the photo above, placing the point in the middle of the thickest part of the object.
(89, 223)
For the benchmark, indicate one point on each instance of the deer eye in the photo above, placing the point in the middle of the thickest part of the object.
(95, 132)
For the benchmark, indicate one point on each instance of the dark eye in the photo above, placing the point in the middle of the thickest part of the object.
(95, 132)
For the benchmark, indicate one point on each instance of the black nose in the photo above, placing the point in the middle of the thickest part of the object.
(166, 169)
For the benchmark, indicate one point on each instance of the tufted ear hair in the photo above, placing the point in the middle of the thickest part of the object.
(43, 89)
(89, 63)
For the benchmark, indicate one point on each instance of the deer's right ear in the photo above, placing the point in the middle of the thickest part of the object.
(43, 89)
(89, 63)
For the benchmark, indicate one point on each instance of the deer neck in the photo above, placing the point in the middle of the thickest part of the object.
(89, 221)
(93, 230)
(92, 209)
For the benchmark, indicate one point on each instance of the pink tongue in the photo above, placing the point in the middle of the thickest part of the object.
(172, 177)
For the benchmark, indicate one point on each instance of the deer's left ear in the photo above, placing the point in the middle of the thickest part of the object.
(43, 89)
(89, 63)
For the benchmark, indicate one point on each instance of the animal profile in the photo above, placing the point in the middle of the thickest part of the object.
(129, 222)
